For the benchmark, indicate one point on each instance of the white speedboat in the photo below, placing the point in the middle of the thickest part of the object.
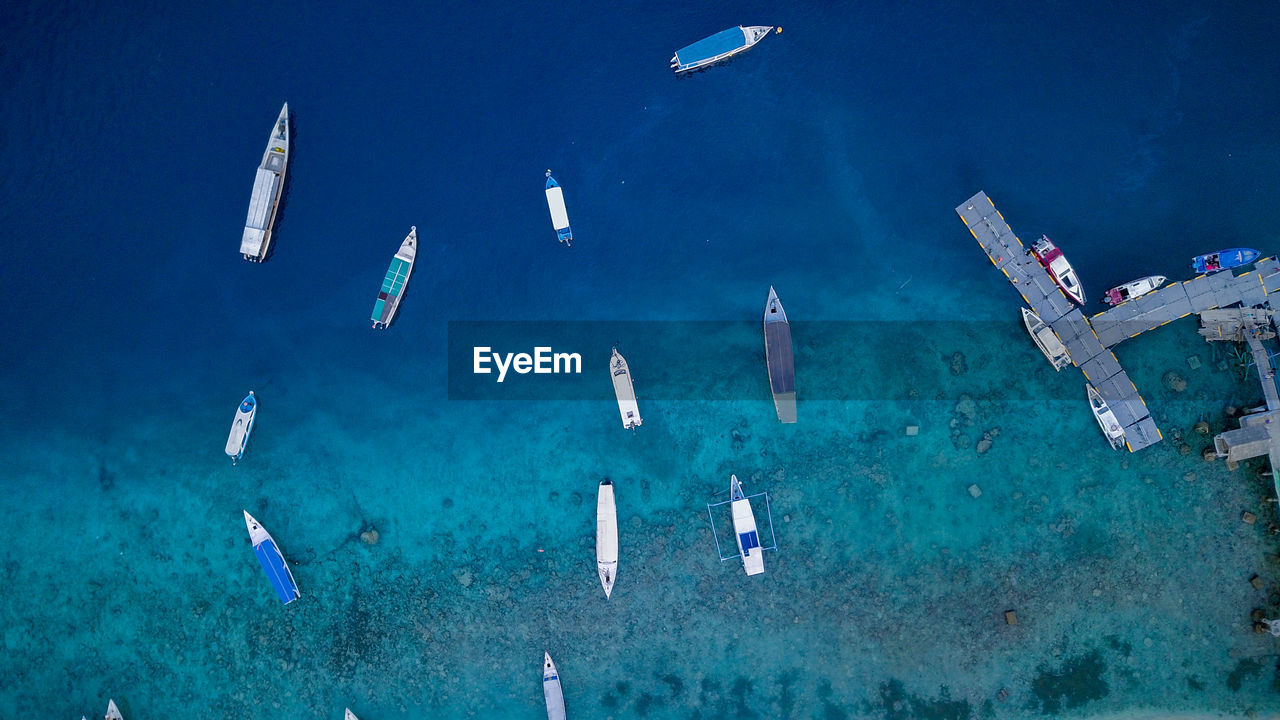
(551, 689)
(625, 391)
(1046, 339)
(606, 537)
(1106, 418)
(744, 527)
(1133, 289)
(113, 712)
(1055, 263)
(395, 281)
(241, 427)
(268, 184)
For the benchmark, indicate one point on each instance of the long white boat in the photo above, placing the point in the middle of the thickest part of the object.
(1046, 339)
(1133, 289)
(272, 561)
(625, 391)
(268, 184)
(606, 537)
(559, 215)
(744, 527)
(113, 712)
(396, 280)
(780, 358)
(241, 427)
(1106, 418)
(718, 48)
(551, 689)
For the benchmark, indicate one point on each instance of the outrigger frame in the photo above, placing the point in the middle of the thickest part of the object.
(715, 534)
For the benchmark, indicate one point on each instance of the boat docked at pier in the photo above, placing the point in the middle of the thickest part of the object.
(606, 537)
(744, 528)
(626, 393)
(1105, 417)
(241, 427)
(551, 689)
(395, 282)
(718, 48)
(1224, 259)
(559, 215)
(268, 185)
(1053, 261)
(1133, 289)
(272, 560)
(1046, 339)
(780, 358)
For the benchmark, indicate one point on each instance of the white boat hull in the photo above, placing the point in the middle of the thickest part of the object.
(551, 689)
(113, 712)
(241, 427)
(1106, 418)
(626, 392)
(744, 529)
(606, 537)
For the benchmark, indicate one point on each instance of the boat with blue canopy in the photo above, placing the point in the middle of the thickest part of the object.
(272, 560)
(718, 48)
(559, 215)
(747, 535)
(397, 278)
(241, 427)
(1224, 259)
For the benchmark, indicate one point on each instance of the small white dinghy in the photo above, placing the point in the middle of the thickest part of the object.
(113, 712)
(625, 391)
(349, 715)
(744, 527)
(241, 426)
(551, 689)
(606, 537)
(1106, 418)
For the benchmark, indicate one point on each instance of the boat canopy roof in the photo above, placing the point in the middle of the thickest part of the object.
(248, 404)
(555, 201)
(722, 42)
(749, 540)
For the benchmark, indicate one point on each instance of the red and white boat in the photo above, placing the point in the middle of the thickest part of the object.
(1131, 290)
(1059, 269)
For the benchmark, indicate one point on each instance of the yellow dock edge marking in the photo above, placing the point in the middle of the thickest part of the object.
(993, 205)
(1160, 434)
(966, 222)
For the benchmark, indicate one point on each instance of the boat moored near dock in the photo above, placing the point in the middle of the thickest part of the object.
(559, 215)
(395, 281)
(241, 427)
(1105, 417)
(718, 48)
(1133, 289)
(1053, 261)
(551, 689)
(1046, 339)
(1224, 259)
(268, 184)
(625, 391)
(780, 358)
(272, 561)
(606, 537)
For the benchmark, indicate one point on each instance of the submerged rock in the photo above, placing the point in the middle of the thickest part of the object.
(370, 536)
(958, 364)
(1202, 427)
(1174, 381)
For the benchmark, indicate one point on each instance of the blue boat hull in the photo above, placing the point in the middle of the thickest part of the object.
(1224, 259)
(277, 571)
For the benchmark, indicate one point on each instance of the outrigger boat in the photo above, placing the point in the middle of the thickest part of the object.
(551, 689)
(241, 426)
(559, 215)
(1133, 289)
(397, 278)
(1046, 339)
(1058, 268)
(744, 527)
(273, 562)
(1106, 418)
(626, 393)
(606, 537)
(779, 358)
(718, 48)
(268, 184)
(113, 712)
(1224, 259)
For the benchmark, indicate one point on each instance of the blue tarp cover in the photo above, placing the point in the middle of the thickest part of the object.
(749, 540)
(277, 573)
(722, 42)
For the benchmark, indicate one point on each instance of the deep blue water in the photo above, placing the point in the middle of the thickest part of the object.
(825, 162)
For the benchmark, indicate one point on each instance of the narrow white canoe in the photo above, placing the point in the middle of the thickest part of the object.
(606, 537)
(744, 527)
(551, 689)
(1133, 289)
(559, 215)
(350, 715)
(113, 712)
(395, 281)
(268, 184)
(625, 391)
(241, 427)
(1106, 418)
(1046, 339)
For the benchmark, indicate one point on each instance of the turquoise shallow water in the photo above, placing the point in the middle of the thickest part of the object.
(826, 162)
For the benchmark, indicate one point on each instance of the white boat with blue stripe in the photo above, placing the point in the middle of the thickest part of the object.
(559, 215)
(272, 560)
(241, 427)
(551, 689)
(718, 48)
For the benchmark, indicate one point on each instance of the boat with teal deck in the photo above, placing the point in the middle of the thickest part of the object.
(559, 215)
(1224, 259)
(272, 560)
(393, 285)
(718, 48)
